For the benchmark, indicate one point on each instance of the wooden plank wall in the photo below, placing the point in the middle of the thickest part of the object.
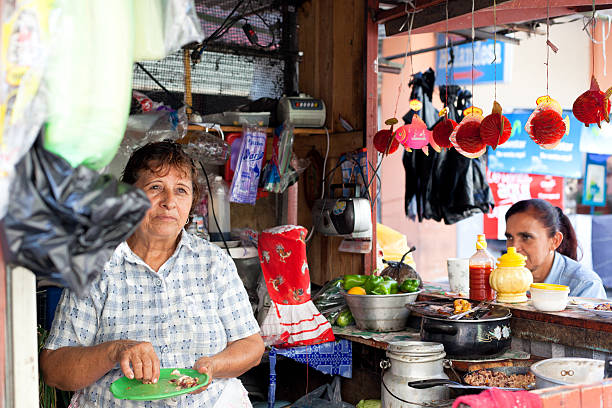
(331, 36)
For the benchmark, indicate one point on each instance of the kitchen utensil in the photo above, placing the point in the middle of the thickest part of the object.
(410, 361)
(511, 370)
(567, 370)
(380, 312)
(470, 338)
(472, 310)
(548, 297)
(124, 388)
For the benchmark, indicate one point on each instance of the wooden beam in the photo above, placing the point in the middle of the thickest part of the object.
(433, 18)
(371, 118)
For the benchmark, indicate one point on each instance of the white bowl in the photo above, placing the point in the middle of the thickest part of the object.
(548, 297)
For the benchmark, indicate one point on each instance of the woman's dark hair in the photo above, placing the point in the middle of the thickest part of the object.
(162, 156)
(553, 220)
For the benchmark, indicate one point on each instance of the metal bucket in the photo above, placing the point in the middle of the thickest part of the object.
(380, 312)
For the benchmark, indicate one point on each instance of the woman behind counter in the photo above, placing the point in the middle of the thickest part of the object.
(165, 299)
(546, 237)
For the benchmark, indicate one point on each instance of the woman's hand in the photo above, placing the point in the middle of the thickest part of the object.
(137, 360)
(205, 365)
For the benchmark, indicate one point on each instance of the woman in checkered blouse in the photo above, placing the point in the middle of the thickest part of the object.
(166, 299)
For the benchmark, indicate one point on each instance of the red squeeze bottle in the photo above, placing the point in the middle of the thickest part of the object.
(482, 264)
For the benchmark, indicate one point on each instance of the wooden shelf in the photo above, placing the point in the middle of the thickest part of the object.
(270, 130)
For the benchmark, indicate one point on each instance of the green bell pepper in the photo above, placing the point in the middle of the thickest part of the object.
(386, 287)
(409, 285)
(372, 282)
(345, 318)
(350, 281)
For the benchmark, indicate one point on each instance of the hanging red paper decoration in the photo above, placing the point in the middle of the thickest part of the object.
(495, 129)
(593, 106)
(545, 125)
(384, 141)
(466, 136)
(443, 129)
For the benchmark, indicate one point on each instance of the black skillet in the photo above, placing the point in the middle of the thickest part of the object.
(434, 382)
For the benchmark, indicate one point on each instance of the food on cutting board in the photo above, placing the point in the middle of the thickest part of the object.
(461, 306)
(183, 381)
(488, 378)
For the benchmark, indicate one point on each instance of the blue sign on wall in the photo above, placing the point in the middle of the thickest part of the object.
(460, 72)
(520, 154)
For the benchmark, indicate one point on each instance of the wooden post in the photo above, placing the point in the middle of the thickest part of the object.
(187, 68)
(371, 109)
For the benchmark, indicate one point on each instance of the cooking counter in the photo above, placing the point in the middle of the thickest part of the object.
(572, 332)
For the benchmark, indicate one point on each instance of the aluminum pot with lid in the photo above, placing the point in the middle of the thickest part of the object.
(411, 361)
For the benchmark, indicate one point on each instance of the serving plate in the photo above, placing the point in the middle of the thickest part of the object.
(589, 306)
(124, 388)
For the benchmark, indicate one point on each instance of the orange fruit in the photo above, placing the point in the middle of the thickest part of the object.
(356, 290)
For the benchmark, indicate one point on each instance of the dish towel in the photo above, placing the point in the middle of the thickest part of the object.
(292, 320)
(495, 398)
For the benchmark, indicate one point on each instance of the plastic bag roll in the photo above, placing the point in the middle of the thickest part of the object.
(148, 30)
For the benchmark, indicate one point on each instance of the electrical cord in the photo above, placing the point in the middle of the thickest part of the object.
(311, 233)
(196, 54)
(170, 94)
(212, 205)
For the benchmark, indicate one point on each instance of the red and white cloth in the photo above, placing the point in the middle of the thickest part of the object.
(292, 320)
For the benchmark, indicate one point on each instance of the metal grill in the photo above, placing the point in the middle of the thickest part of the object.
(230, 65)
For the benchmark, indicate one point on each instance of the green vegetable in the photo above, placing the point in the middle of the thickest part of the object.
(369, 404)
(409, 285)
(372, 282)
(350, 281)
(386, 287)
(345, 318)
(387, 278)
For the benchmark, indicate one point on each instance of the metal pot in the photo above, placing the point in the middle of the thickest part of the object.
(553, 372)
(470, 338)
(411, 361)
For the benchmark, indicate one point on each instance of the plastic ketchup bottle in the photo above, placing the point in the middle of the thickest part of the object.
(482, 264)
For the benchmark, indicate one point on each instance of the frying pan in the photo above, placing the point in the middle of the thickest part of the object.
(434, 382)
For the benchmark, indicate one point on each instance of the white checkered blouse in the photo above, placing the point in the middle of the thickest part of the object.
(191, 308)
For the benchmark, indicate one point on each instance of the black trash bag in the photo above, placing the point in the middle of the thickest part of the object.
(326, 396)
(64, 223)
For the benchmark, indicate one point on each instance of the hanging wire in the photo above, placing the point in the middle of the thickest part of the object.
(473, 35)
(547, 40)
(410, 20)
(494, 50)
(447, 58)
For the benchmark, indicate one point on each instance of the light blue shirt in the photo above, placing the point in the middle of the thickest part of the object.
(191, 308)
(582, 282)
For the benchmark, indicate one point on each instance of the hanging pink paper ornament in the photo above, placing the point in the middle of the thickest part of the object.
(466, 136)
(414, 135)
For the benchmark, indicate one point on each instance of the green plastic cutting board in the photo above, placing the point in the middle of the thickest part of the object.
(124, 388)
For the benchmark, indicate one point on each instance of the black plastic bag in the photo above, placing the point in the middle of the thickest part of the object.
(326, 396)
(64, 223)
